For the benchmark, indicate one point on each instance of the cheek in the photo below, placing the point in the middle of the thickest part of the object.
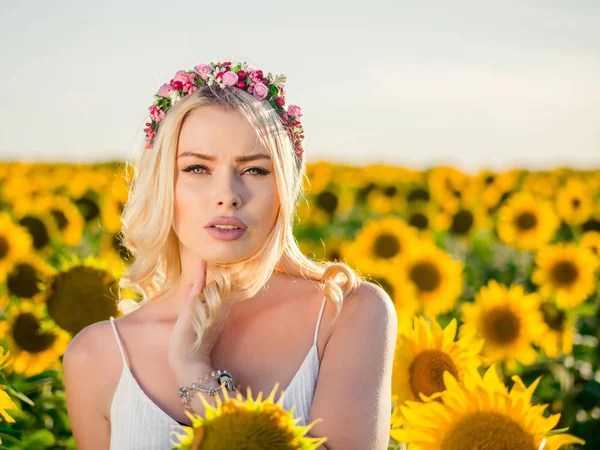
(187, 206)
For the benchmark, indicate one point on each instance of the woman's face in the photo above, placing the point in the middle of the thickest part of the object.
(213, 180)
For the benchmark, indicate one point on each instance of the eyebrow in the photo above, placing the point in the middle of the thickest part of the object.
(237, 159)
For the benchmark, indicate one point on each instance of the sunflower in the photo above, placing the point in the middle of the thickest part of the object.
(566, 272)
(252, 424)
(392, 284)
(526, 222)
(310, 216)
(28, 277)
(430, 278)
(574, 202)
(385, 199)
(448, 186)
(494, 187)
(112, 206)
(481, 413)
(424, 352)
(15, 243)
(591, 241)
(5, 400)
(39, 223)
(541, 184)
(557, 338)
(508, 319)
(81, 293)
(318, 176)
(468, 218)
(380, 244)
(67, 217)
(320, 250)
(113, 252)
(34, 344)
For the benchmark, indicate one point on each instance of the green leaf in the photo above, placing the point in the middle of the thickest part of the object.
(557, 431)
(585, 309)
(38, 440)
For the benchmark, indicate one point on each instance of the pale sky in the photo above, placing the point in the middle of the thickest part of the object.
(469, 83)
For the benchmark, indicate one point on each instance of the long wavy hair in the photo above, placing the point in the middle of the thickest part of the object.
(147, 216)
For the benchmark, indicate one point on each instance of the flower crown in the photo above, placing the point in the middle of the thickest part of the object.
(269, 88)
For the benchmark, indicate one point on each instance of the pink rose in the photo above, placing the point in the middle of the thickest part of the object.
(260, 91)
(189, 88)
(203, 70)
(230, 78)
(294, 111)
(181, 76)
(164, 90)
(156, 113)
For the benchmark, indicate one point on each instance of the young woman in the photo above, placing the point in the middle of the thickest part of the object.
(225, 286)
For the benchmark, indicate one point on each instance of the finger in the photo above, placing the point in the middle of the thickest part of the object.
(188, 288)
(201, 273)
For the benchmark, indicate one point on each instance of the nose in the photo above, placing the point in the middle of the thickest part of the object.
(229, 194)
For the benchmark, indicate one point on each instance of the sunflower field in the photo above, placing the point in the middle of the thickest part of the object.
(494, 277)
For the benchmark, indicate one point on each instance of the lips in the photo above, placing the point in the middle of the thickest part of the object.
(226, 220)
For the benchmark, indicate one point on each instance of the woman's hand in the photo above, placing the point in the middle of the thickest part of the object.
(180, 354)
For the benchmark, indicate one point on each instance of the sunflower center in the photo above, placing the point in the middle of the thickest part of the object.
(117, 245)
(462, 222)
(591, 225)
(37, 229)
(81, 296)
(501, 325)
(241, 428)
(419, 221)
(390, 191)
(88, 208)
(386, 246)
(327, 201)
(526, 221)
(564, 273)
(3, 247)
(490, 179)
(426, 276)
(22, 281)
(427, 372)
(25, 332)
(576, 203)
(418, 194)
(554, 317)
(487, 430)
(61, 219)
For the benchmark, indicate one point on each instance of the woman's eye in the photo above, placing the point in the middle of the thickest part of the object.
(259, 170)
(193, 168)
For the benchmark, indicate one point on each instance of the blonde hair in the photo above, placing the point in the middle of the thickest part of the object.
(148, 216)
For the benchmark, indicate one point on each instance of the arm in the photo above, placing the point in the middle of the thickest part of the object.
(91, 429)
(353, 394)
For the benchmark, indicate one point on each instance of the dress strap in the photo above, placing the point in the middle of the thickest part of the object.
(319, 320)
(112, 322)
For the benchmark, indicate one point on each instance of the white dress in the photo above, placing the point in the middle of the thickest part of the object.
(137, 423)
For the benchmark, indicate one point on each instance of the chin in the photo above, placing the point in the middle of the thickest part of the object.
(229, 252)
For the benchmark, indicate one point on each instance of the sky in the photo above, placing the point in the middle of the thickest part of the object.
(474, 84)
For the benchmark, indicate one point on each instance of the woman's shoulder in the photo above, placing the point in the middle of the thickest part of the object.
(93, 358)
(368, 302)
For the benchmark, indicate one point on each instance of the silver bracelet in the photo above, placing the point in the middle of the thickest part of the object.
(223, 377)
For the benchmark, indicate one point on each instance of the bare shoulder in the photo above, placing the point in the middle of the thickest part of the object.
(87, 347)
(91, 371)
(93, 355)
(368, 303)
